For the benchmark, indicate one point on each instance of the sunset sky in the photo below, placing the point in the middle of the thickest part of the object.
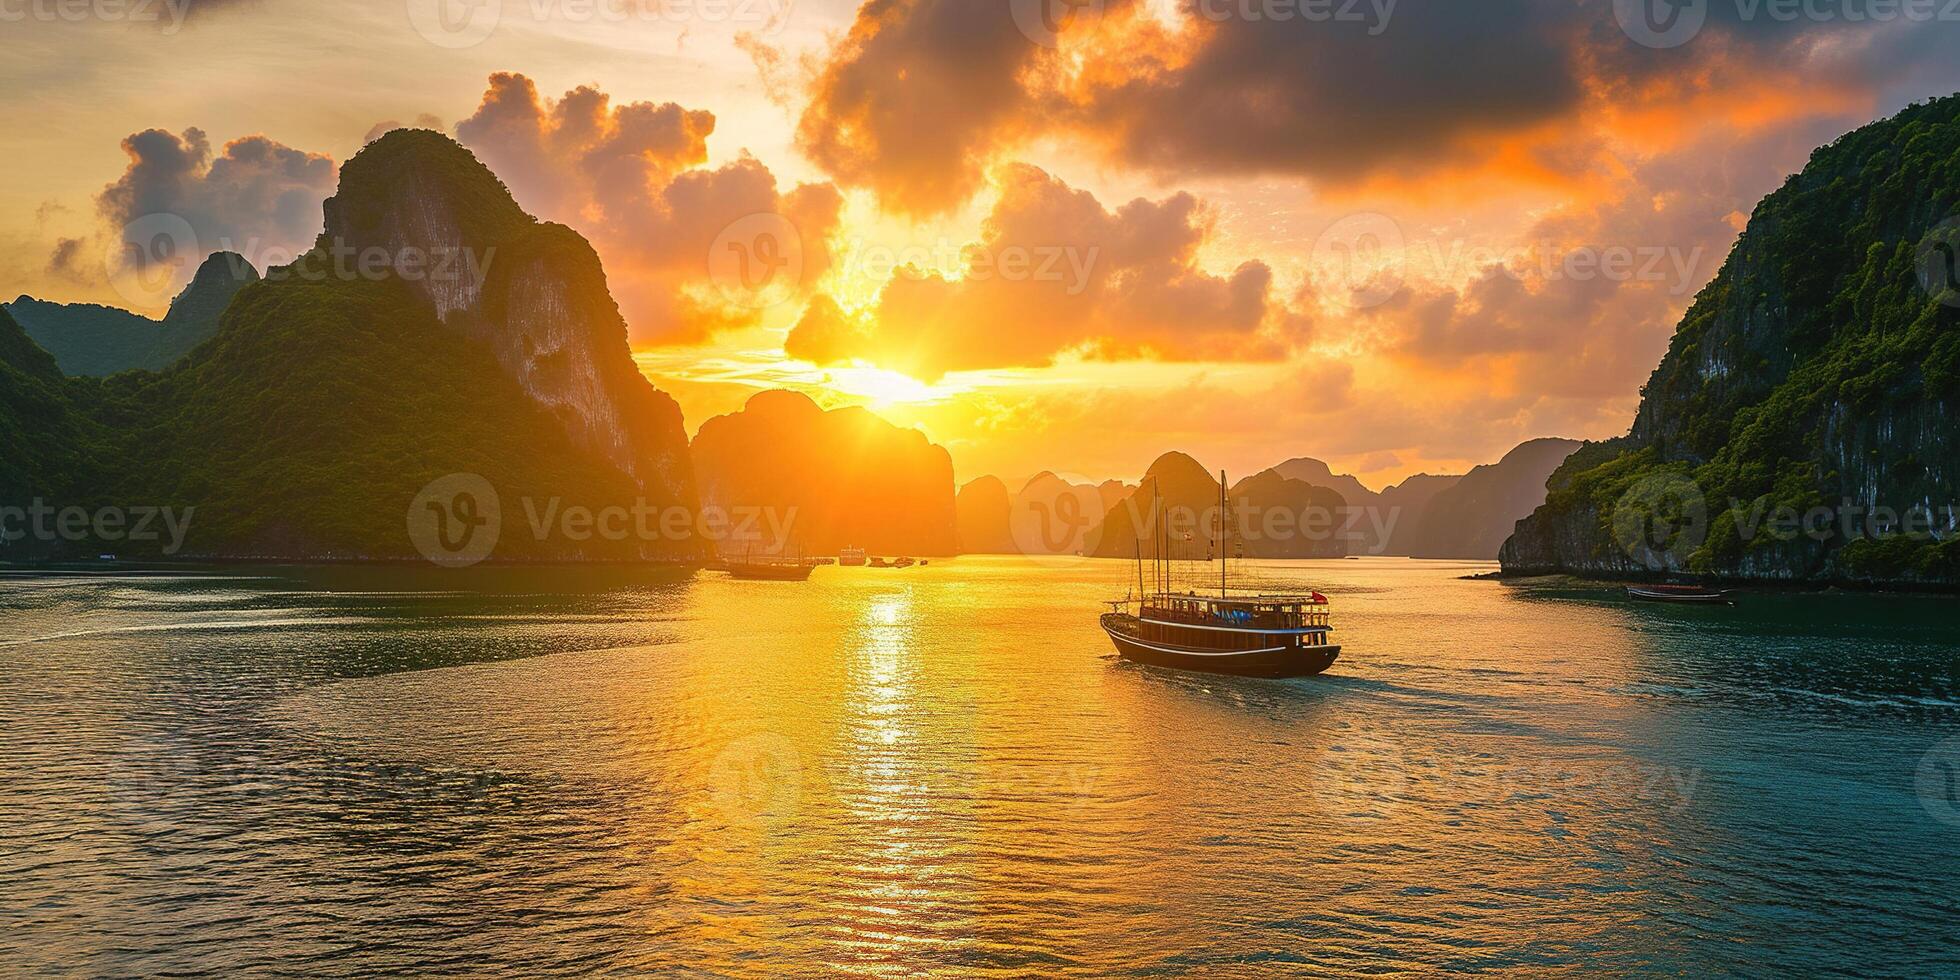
(1401, 237)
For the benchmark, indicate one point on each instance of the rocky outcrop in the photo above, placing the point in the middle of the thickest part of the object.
(1404, 504)
(98, 341)
(1047, 516)
(421, 205)
(1800, 425)
(1175, 511)
(441, 378)
(1473, 515)
(983, 507)
(1273, 516)
(818, 481)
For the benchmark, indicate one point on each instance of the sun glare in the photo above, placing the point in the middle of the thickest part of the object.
(883, 387)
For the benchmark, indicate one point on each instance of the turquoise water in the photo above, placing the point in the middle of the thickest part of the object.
(943, 771)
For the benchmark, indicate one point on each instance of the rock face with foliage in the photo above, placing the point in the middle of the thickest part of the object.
(1817, 374)
(99, 341)
(326, 401)
(532, 292)
(823, 481)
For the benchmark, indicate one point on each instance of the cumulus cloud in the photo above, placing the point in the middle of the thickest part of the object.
(1582, 305)
(178, 201)
(1054, 272)
(917, 98)
(632, 179)
(922, 96)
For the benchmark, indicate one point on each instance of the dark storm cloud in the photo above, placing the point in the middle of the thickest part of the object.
(922, 95)
(1337, 97)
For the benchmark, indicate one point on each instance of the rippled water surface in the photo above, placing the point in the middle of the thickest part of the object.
(943, 771)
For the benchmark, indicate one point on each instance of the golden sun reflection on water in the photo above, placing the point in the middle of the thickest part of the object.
(943, 771)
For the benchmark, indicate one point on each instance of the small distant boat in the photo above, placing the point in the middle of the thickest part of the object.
(851, 556)
(771, 569)
(903, 563)
(1246, 635)
(1681, 593)
(877, 562)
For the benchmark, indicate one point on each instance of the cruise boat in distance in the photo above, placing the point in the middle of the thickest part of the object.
(851, 557)
(773, 568)
(1243, 634)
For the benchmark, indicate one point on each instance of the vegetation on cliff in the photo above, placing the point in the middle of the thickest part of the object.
(1800, 424)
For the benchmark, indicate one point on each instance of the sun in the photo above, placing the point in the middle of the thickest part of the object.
(883, 387)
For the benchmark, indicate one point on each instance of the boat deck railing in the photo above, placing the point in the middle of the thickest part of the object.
(1274, 612)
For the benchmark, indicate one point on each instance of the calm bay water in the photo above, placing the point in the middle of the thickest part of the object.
(943, 771)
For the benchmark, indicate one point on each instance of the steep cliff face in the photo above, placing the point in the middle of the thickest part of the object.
(826, 480)
(98, 341)
(438, 363)
(1800, 425)
(533, 292)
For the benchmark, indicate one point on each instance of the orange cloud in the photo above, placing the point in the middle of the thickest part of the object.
(1054, 272)
(671, 231)
(920, 98)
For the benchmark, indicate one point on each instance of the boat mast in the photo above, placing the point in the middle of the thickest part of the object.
(1221, 534)
(1156, 545)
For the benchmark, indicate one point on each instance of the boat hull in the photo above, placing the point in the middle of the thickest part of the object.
(1693, 598)
(771, 573)
(1304, 661)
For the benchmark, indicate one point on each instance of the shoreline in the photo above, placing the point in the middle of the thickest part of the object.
(1581, 579)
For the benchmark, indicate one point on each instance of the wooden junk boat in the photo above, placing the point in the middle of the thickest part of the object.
(1238, 633)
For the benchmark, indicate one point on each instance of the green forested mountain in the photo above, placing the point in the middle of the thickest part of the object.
(48, 449)
(87, 339)
(307, 425)
(1815, 377)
